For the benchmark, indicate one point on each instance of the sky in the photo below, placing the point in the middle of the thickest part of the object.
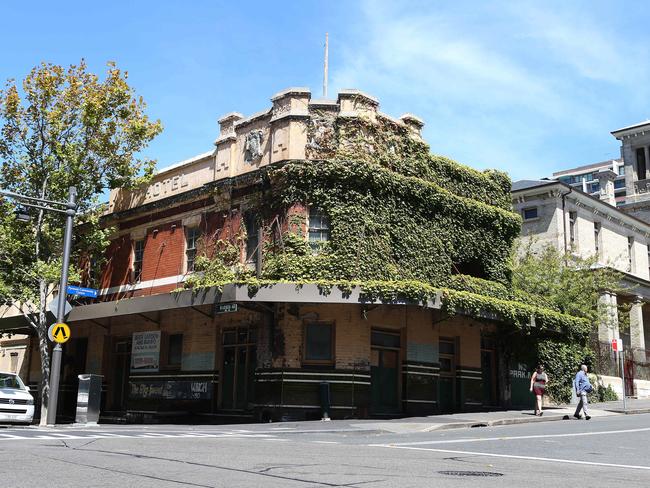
(526, 87)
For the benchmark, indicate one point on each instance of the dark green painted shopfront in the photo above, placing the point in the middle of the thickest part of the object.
(273, 359)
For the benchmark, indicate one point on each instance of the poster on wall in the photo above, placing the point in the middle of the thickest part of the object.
(145, 352)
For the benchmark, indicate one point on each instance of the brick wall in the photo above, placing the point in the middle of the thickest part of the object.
(164, 251)
(117, 268)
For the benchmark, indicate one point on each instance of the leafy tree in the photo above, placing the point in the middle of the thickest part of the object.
(569, 284)
(63, 127)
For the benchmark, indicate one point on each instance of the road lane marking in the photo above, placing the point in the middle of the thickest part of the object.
(510, 438)
(44, 435)
(325, 442)
(526, 458)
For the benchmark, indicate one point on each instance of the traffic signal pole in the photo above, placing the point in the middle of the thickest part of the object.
(55, 368)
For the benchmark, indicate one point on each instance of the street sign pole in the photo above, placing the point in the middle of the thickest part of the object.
(55, 369)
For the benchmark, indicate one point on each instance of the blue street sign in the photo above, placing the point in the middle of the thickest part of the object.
(82, 292)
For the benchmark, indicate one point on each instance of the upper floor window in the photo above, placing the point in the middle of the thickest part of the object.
(597, 238)
(138, 256)
(640, 163)
(530, 213)
(573, 217)
(252, 240)
(630, 253)
(619, 184)
(191, 240)
(319, 227)
(621, 170)
(318, 344)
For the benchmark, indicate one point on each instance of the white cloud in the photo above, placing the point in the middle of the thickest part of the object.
(591, 47)
(506, 87)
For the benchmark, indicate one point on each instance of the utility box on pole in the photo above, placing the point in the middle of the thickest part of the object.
(89, 398)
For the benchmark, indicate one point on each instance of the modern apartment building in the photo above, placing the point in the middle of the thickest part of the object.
(586, 178)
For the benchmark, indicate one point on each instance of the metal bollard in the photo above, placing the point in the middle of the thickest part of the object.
(325, 401)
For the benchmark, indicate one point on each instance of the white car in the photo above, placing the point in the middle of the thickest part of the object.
(16, 403)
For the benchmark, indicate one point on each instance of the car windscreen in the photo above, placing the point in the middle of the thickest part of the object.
(10, 381)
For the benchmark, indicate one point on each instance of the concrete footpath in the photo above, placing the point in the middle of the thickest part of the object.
(504, 417)
(376, 426)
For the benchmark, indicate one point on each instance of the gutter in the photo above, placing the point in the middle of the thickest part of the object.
(564, 195)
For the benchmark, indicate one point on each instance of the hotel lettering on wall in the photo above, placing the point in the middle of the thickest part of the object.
(145, 352)
(168, 185)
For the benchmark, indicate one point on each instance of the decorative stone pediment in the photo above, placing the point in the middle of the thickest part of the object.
(253, 146)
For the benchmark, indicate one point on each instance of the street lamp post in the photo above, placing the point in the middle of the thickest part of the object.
(68, 208)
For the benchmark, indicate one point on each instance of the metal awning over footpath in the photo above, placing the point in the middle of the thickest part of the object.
(232, 293)
(214, 296)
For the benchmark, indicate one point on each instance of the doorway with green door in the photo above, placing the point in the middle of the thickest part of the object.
(447, 388)
(238, 371)
(384, 372)
(489, 370)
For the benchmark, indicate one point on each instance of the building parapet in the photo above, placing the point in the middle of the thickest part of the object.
(245, 144)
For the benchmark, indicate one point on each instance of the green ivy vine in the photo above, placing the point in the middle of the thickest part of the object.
(404, 225)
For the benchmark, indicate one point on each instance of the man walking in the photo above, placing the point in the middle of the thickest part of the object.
(582, 386)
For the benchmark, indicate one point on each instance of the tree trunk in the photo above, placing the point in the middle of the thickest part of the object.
(44, 348)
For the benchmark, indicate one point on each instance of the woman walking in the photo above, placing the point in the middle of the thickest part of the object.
(538, 386)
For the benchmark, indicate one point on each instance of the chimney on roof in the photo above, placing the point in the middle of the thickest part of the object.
(606, 179)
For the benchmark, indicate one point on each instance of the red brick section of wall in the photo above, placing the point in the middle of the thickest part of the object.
(117, 270)
(221, 225)
(296, 219)
(164, 251)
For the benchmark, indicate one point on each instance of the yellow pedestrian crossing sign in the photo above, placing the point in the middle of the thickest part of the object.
(59, 333)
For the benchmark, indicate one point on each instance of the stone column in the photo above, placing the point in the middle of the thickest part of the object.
(637, 338)
(608, 325)
(226, 144)
(606, 179)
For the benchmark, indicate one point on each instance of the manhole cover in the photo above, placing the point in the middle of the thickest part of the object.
(470, 473)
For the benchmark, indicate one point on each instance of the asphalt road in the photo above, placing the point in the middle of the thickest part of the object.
(610, 451)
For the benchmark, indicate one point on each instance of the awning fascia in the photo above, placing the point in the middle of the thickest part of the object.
(275, 293)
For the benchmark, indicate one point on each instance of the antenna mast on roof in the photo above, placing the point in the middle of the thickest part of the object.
(325, 66)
